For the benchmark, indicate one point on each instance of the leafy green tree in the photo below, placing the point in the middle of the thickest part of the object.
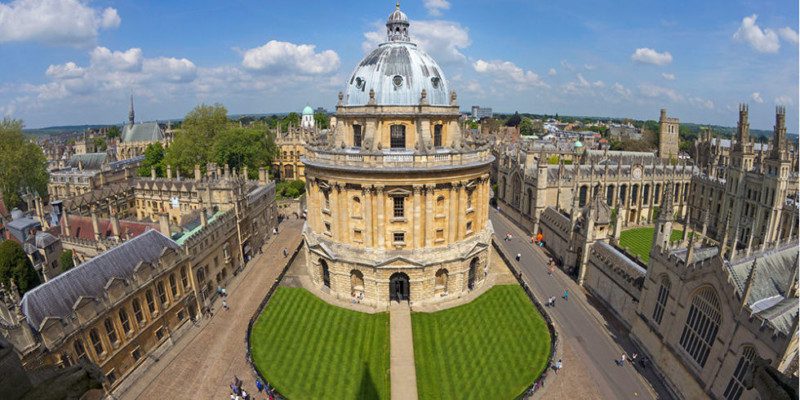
(15, 264)
(290, 189)
(66, 260)
(515, 120)
(153, 158)
(22, 164)
(292, 118)
(322, 120)
(238, 147)
(192, 144)
(526, 127)
(113, 132)
(100, 144)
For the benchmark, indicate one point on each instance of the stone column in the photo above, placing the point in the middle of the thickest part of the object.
(461, 213)
(380, 232)
(417, 218)
(333, 195)
(430, 231)
(370, 230)
(343, 213)
(451, 220)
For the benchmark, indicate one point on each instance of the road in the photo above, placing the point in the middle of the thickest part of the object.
(591, 342)
(202, 365)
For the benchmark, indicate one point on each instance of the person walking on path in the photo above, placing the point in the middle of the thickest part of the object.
(566, 294)
(285, 252)
(558, 365)
(224, 304)
(621, 361)
(519, 256)
(259, 386)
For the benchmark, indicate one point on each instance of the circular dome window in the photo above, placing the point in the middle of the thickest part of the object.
(360, 83)
(397, 80)
(435, 82)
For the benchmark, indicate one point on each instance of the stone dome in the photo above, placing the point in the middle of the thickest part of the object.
(397, 72)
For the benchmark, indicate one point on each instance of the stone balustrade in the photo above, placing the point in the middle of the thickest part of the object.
(390, 159)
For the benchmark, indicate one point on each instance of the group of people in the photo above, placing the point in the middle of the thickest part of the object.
(238, 392)
(621, 361)
(551, 301)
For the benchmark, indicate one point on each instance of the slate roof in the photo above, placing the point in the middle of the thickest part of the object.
(142, 132)
(44, 239)
(89, 160)
(56, 297)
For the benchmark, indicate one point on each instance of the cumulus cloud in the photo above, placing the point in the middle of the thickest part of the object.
(649, 56)
(435, 7)
(508, 72)
(757, 97)
(784, 100)
(60, 22)
(288, 58)
(129, 60)
(763, 41)
(552, 72)
(621, 90)
(444, 40)
(701, 103)
(788, 34)
(669, 77)
(581, 85)
(654, 91)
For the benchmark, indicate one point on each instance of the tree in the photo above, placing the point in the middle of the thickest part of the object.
(15, 264)
(66, 260)
(515, 120)
(526, 127)
(113, 132)
(322, 120)
(292, 118)
(153, 158)
(22, 164)
(192, 144)
(100, 144)
(238, 147)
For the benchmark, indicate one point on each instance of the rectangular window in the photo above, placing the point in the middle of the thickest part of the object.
(160, 333)
(469, 226)
(440, 234)
(327, 200)
(151, 304)
(137, 312)
(162, 293)
(328, 227)
(356, 135)
(399, 209)
(437, 135)
(136, 354)
(96, 342)
(111, 377)
(399, 237)
(398, 137)
(357, 235)
(184, 279)
(110, 331)
(173, 285)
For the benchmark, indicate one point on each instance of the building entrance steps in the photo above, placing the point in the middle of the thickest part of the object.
(403, 371)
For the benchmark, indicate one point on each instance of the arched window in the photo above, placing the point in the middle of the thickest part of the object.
(437, 135)
(657, 194)
(325, 273)
(702, 325)
(96, 342)
(151, 304)
(137, 312)
(356, 282)
(516, 191)
(123, 318)
(80, 351)
(173, 285)
(473, 271)
(162, 293)
(582, 192)
(184, 279)
(288, 172)
(502, 188)
(529, 202)
(110, 331)
(623, 193)
(661, 300)
(610, 195)
(646, 194)
(635, 193)
(397, 139)
(736, 385)
(440, 285)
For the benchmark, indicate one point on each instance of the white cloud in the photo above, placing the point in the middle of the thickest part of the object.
(170, 69)
(129, 60)
(508, 72)
(589, 67)
(286, 58)
(669, 77)
(784, 100)
(61, 22)
(435, 7)
(763, 41)
(701, 103)
(654, 91)
(65, 71)
(552, 72)
(582, 85)
(757, 97)
(788, 34)
(444, 40)
(649, 56)
(621, 90)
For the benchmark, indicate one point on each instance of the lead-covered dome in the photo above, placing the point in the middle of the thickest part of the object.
(397, 71)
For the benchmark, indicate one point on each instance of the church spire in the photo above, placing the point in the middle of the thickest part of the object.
(131, 113)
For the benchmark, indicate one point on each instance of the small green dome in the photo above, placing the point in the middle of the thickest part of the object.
(308, 111)
(578, 144)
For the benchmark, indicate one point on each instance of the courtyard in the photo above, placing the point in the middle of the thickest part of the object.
(639, 241)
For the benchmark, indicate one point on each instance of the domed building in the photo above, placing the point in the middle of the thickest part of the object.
(307, 120)
(398, 194)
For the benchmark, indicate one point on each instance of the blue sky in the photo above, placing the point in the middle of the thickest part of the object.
(75, 62)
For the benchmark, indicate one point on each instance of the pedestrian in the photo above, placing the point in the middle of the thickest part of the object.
(224, 304)
(259, 386)
(558, 365)
(566, 294)
(275, 231)
(519, 256)
(633, 358)
(245, 396)
(622, 359)
(285, 252)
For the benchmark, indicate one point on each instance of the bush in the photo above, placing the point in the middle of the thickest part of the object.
(14, 264)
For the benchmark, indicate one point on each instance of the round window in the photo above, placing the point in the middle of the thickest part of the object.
(360, 83)
(397, 80)
(435, 81)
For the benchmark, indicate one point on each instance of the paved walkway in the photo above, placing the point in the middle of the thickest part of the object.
(202, 363)
(590, 341)
(403, 373)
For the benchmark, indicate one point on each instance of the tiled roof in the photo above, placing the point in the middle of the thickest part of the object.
(143, 132)
(90, 161)
(81, 227)
(56, 297)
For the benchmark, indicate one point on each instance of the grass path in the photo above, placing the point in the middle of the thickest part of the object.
(639, 241)
(308, 349)
(491, 348)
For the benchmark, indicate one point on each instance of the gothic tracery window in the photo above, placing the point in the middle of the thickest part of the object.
(702, 325)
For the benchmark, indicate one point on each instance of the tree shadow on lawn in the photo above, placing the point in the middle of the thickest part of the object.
(367, 390)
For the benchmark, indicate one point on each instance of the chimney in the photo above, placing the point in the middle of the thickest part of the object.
(169, 172)
(197, 175)
(163, 225)
(262, 176)
(95, 225)
(177, 173)
(152, 172)
(244, 172)
(203, 217)
(115, 227)
(227, 171)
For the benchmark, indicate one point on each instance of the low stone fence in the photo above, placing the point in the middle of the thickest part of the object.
(288, 208)
(539, 381)
(258, 312)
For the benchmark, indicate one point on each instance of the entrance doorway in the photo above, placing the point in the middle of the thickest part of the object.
(398, 287)
(473, 267)
(326, 274)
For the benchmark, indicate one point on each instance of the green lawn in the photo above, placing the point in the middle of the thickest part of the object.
(639, 241)
(309, 349)
(491, 348)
